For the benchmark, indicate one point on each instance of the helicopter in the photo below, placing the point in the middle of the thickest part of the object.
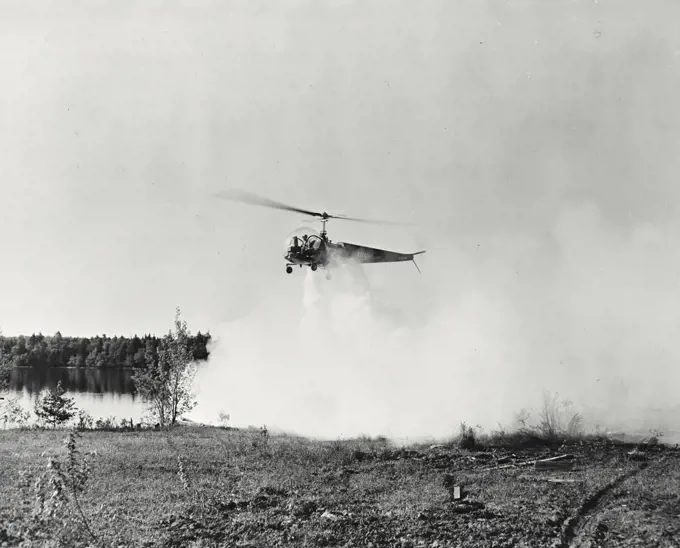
(315, 250)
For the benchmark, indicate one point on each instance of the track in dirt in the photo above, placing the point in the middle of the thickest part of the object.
(576, 526)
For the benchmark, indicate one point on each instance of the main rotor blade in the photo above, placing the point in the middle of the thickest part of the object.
(252, 199)
(372, 221)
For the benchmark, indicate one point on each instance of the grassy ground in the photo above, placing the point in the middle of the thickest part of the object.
(201, 486)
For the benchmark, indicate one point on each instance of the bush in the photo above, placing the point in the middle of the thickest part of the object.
(85, 420)
(12, 412)
(53, 408)
(553, 418)
(467, 438)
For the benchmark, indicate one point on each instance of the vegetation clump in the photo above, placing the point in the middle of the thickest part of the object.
(5, 366)
(166, 383)
(467, 438)
(54, 408)
(50, 512)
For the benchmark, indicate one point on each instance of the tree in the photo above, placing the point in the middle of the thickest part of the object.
(166, 381)
(4, 364)
(152, 385)
(10, 410)
(41, 352)
(53, 407)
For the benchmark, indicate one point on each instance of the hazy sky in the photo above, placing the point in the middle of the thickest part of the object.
(535, 144)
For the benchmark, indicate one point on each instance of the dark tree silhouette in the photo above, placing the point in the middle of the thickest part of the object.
(40, 351)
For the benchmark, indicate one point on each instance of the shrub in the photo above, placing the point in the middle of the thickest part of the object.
(53, 407)
(223, 419)
(85, 420)
(109, 423)
(14, 413)
(552, 418)
(467, 438)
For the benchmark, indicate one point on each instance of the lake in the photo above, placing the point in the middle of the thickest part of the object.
(102, 392)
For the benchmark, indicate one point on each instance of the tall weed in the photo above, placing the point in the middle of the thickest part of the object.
(51, 513)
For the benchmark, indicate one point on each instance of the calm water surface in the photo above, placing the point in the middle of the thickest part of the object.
(102, 392)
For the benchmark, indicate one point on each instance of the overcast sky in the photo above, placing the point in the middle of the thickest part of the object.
(534, 143)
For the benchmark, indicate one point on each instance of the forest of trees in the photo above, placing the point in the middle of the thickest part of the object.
(100, 351)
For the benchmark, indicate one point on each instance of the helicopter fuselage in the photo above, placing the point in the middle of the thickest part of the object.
(319, 252)
(312, 251)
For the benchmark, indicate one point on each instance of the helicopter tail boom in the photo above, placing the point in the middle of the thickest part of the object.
(365, 254)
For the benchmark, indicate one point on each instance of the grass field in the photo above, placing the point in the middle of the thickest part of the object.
(204, 486)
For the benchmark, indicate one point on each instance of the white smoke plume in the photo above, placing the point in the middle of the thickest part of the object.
(595, 326)
(349, 367)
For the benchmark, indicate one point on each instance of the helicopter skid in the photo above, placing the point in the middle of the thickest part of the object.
(312, 266)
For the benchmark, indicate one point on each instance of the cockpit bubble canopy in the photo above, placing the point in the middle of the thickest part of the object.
(314, 243)
(300, 236)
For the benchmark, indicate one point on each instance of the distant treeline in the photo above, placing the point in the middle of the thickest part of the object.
(100, 351)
